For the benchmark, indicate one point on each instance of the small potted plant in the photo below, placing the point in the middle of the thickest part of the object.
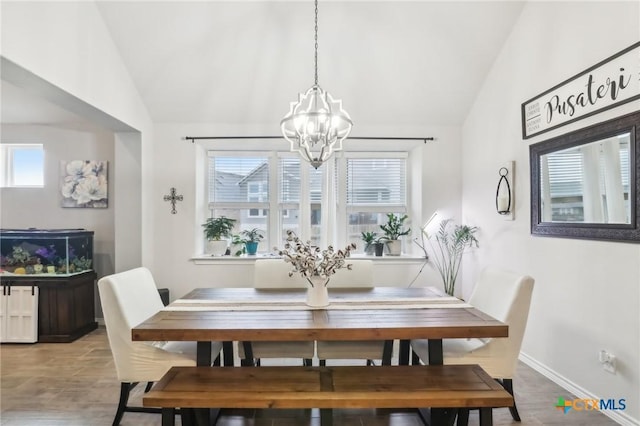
(215, 229)
(369, 239)
(236, 248)
(393, 230)
(252, 238)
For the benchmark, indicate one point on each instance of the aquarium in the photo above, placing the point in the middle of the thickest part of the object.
(46, 251)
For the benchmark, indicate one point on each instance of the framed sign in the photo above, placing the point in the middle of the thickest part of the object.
(612, 82)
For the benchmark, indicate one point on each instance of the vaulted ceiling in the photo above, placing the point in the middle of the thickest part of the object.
(391, 62)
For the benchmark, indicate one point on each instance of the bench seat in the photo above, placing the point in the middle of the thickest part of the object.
(435, 386)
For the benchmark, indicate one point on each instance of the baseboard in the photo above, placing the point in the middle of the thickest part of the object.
(617, 416)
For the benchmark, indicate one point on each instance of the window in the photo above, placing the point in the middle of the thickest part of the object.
(22, 165)
(375, 186)
(276, 192)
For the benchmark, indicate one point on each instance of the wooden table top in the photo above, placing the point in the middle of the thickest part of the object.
(259, 323)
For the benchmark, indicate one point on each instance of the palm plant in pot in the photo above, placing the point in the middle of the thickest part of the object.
(215, 229)
(452, 241)
(369, 239)
(393, 230)
(252, 238)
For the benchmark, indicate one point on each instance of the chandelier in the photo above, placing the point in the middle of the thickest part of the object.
(316, 124)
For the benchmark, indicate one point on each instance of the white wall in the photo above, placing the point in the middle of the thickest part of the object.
(40, 207)
(178, 237)
(66, 49)
(586, 295)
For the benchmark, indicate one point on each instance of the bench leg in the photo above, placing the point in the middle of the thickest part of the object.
(168, 417)
(326, 417)
(486, 417)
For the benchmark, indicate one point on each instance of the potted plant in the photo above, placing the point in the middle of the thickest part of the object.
(451, 241)
(236, 248)
(393, 230)
(252, 238)
(215, 229)
(369, 239)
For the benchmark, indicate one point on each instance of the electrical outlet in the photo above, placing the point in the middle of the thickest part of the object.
(608, 361)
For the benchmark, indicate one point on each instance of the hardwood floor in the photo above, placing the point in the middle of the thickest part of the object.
(75, 384)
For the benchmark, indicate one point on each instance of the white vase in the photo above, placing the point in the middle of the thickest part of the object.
(217, 247)
(395, 247)
(317, 293)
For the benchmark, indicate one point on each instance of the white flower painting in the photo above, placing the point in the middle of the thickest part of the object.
(83, 183)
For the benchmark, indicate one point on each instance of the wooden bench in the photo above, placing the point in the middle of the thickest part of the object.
(435, 386)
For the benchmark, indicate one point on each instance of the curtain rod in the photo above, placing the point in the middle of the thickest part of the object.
(382, 138)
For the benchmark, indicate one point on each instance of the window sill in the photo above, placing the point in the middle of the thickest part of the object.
(204, 259)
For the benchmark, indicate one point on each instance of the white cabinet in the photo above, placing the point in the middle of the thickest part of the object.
(19, 314)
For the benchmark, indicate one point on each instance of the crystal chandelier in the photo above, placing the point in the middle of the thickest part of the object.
(316, 124)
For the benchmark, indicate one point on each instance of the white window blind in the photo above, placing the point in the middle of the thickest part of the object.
(376, 181)
(238, 179)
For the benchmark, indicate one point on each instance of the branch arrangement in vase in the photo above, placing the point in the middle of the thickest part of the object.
(311, 261)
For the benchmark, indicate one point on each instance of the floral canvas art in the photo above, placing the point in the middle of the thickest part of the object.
(83, 183)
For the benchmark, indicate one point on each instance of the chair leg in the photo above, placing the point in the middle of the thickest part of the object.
(125, 389)
(507, 384)
(463, 417)
(415, 359)
(148, 387)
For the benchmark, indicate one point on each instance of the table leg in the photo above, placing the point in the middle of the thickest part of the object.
(403, 354)
(435, 352)
(326, 417)
(248, 360)
(437, 416)
(387, 352)
(168, 416)
(204, 416)
(227, 353)
(203, 357)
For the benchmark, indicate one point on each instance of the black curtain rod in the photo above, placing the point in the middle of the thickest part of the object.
(381, 138)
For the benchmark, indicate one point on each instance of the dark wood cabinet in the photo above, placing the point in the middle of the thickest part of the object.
(66, 305)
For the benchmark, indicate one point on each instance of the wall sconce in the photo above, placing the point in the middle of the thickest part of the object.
(504, 191)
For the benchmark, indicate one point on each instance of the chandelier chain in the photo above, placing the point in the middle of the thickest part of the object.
(316, 45)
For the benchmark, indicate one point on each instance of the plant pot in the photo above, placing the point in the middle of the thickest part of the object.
(217, 247)
(378, 249)
(51, 269)
(394, 247)
(317, 293)
(252, 247)
(369, 249)
(236, 249)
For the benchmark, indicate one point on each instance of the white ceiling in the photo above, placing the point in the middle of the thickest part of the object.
(236, 62)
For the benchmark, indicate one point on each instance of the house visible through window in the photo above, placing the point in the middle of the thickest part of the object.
(22, 165)
(302, 197)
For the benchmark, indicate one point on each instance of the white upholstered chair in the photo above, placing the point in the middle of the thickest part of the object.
(128, 298)
(274, 274)
(506, 296)
(360, 276)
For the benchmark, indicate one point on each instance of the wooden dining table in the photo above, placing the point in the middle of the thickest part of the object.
(379, 313)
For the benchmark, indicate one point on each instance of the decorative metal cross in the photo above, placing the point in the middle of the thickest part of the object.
(173, 198)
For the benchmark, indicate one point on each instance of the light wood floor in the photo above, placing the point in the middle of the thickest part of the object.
(75, 384)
